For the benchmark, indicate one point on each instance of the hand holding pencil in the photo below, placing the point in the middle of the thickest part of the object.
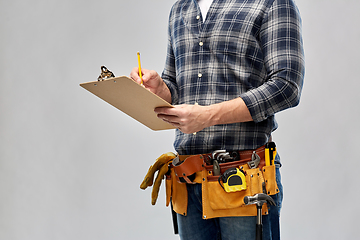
(151, 80)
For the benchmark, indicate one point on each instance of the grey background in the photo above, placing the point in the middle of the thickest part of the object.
(71, 164)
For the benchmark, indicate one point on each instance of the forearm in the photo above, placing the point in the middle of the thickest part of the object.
(164, 92)
(194, 118)
(228, 112)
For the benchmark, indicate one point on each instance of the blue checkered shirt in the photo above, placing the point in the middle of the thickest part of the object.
(244, 48)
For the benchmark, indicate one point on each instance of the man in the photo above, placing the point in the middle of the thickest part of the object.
(229, 69)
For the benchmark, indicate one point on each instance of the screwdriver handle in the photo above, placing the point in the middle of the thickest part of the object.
(273, 158)
(267, 156)
(270, 153)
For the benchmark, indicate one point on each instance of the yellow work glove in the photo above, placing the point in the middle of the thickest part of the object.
(162, 166)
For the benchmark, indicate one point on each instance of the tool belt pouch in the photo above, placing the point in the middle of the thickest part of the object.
(183, 172)
(269, 173)
(218, 203)
(176, 192)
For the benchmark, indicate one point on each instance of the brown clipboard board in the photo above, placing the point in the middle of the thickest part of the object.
(131, 98)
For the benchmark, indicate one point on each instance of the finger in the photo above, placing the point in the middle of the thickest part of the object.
(148, 75)
(160, 176)
(135, 75)
(173, 120)
(166, 111)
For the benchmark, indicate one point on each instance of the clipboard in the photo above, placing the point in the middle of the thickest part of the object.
(131, 98)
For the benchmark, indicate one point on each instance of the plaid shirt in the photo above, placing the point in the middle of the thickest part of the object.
(244, 48)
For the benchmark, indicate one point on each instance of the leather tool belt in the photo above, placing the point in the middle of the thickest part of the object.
(201, 168)
(186, 166)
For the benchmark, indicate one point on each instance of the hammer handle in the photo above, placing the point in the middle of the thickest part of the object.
(259, 231)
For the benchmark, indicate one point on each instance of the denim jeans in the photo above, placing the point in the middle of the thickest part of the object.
(194, 227)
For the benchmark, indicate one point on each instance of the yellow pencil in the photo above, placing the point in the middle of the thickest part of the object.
(140, 74)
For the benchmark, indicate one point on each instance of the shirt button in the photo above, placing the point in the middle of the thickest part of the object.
(199, 75)
(201, 43)
(197, 17)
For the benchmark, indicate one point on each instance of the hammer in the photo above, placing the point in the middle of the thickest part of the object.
(259, 199)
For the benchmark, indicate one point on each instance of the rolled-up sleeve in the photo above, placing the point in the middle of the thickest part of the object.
(169, 75)
(281, 42)
(169, 72)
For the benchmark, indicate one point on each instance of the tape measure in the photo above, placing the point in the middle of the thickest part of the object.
(233, 180)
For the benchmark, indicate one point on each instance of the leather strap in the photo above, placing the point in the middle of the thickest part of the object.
(189, 166)
(244, 155)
